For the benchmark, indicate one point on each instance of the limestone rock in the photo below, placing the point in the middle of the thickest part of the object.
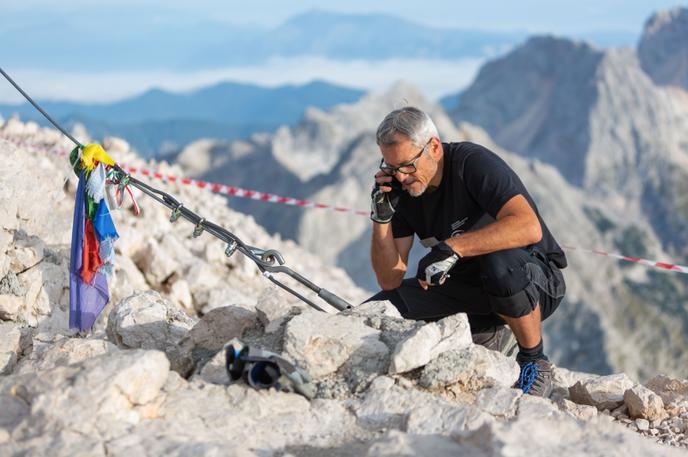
(62, 352)
(376, 308)
(10, 348)
(580, 412)
(396, 443)
(558, 434)
(530, 406)
(669, 389)
(321, 343)
(181, 293)
(271, 309)
(644, 403)
(10, 285)
(605, 392)
(429, 341)
(390, 406)
(214, 371)
(156, 263)
(148, 321)
(499, 401)
(10, 307)
(94, 397)
(212, 332)
(27, 252)
(473, 368)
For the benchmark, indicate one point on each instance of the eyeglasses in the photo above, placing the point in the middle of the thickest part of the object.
(405, 168)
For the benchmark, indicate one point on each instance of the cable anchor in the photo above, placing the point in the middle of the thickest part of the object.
(231, 247)
(199, 228)
(176, 213)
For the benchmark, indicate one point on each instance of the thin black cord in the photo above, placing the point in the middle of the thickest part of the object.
(35, 105)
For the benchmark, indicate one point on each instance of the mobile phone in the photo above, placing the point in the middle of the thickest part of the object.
(394, 184)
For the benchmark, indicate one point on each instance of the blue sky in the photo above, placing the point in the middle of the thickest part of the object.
(558, 16)
(114, 20)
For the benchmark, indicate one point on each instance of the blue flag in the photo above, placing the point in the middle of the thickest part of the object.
(86, 301)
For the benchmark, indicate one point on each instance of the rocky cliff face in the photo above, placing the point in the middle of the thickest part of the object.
(663, 47)
(150, 378)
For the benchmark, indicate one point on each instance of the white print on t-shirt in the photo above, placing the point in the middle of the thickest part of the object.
(456, 225)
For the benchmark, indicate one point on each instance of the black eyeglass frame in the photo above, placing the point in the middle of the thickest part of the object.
(409, 166)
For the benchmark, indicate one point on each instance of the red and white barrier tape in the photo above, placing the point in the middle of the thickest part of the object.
(265, 197)
(646, 262)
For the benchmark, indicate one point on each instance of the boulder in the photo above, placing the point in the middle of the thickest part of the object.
(321, 343)
(604, 392)
(429, 341)
(387, 405)
(147, 321)
(210, 333)
(669, 389)
(181, 293)
(214, 371)
(272, 309)
(63, 351)
(376, 308)
(472, 368)
(499, 401)
(580, 412)
(96, 397)
(557, 434)
(157, 264)
(644, 403)
(10, 347)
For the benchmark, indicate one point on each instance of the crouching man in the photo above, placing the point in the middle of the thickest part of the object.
(490, 253)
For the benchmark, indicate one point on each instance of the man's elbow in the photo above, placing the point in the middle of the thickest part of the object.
(535, 233)
(390, 283)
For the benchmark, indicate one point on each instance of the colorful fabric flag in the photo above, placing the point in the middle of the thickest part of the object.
(86, 298)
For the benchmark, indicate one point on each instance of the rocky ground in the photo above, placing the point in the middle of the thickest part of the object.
(149, 379)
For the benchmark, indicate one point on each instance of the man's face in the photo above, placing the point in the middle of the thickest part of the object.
(405, 152)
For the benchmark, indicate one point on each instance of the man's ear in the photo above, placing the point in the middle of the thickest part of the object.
(435, 147)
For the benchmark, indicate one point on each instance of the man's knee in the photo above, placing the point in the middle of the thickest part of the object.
(504, 273)
(507, 282)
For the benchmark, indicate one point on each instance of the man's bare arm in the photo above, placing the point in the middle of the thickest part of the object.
(516, 226)
(389, 256)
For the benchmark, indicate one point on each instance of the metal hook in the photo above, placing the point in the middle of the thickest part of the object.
(271, 255)
(176, 213)
(199, 228)
(231, 247)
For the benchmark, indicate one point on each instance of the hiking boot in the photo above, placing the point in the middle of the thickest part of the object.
(535, 378)
(499, 338)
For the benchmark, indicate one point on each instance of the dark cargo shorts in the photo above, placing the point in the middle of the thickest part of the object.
(510, 283)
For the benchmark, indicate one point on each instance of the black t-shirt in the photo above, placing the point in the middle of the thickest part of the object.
(476, 183)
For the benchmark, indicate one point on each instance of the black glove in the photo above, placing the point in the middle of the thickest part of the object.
(434, 268)
(384, 203)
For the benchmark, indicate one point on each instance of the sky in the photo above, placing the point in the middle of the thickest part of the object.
(562, 17)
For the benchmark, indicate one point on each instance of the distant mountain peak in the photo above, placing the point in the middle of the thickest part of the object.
(663, 47)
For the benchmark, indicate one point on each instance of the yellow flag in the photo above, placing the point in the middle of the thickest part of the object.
(95, 152)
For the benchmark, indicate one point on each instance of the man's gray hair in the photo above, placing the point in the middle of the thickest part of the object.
(409, 121)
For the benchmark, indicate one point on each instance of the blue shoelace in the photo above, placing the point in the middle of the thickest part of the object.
(527, 378)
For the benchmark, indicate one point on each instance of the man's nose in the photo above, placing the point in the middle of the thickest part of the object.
(401, 176)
